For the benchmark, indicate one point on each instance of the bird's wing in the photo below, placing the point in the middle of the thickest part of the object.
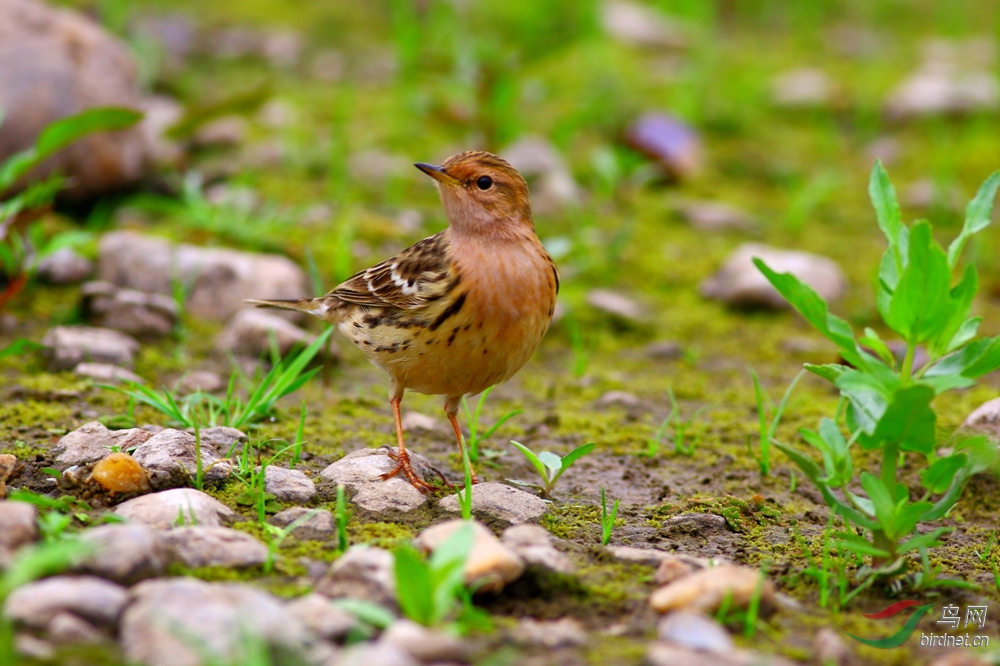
(411, 280)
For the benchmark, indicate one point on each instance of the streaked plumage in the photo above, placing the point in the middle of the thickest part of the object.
(461, 310)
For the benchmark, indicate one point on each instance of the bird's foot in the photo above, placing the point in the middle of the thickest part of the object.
(403, 465)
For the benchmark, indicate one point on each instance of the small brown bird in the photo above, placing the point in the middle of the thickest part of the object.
(460, 311)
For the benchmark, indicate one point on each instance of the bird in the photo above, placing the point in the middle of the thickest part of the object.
(459, 311)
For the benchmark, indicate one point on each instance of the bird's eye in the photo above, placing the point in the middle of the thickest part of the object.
(484, 183)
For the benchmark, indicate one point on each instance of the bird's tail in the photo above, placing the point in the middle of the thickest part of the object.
(313, 306)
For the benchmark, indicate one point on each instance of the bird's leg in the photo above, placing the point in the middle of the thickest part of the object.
(401, 457)
(453, 417)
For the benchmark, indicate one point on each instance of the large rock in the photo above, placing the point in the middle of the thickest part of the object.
(739, 282)
(17, 526)
(221, 279)
(533, 544)
(170, 459)
(93, 441)
(361, 573)
(490, 565)
(179, 506)
(188, 622)
(249, 333)
(704, 591)
(127, 310)
(289, 485)
(57, 62)
(36, 604)
(69, 346)
(499, 503)
(318, 524)
(125, 553)
(360, 472)
(198, 546)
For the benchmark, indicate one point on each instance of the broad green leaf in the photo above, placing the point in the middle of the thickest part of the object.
(809, 304)
(965, 333)
(961, 304)
(872, 340)
(928, 540)
(882, 500)
(981, 453)
(950, 498)
(977, 216)
(868, 395)
(883, 196)
(533, 459)
(937, 478)
(921, 305)
(859, 545)
(909, 420)
(828, 371)
(551, 460)
(979, 357)
(366, 611)
(414, 587)
(942, 383)
(576, 454)
(907, 517)
(19, 347)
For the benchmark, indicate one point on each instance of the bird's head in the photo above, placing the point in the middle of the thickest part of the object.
(482, 194)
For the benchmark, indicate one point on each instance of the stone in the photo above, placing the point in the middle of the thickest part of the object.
(93, 441)
(640, 25)
(221, 438)
(985, 419)
(289, 485)
(491, 564)
(940, 89)
(68, 629)
(105, 372)
(124, 553)
(668, 654)
(68, 346)
(360, 472)
(223, 132)
(33, 605)
(249, 333)
(220, 279)
(675, 146)
(636, 555)
(619, 399)
(547, 173)
(161, 114)
(423, 644)
(64, 266)
(615, 304)
(413, 421)
(199, 546)
(704, 590)
(533, 544)
(179, 506)
(18, 525)
(375, 654)
(55, 62)
(321, 617)
(201, 380)
(169, 458)
(362, 572)
(119, 472)
(328, 66)
(739, 283)
(8, 463)
(805, 87)
(694, 631)
(831, 649)
(713, 216)
(673, 566)
(550, 634)
(664, 350)
(499, 503)
(178, 621)
(319, 526)
(128, 310)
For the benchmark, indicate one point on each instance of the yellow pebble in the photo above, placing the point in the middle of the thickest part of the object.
(120, 473)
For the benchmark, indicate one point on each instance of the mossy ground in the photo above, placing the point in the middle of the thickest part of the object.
(578, 88)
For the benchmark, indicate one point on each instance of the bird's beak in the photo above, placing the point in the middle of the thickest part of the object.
(436, 172)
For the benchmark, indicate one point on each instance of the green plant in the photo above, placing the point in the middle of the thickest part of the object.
(680, 427)
(767, 430)
(251, 470)
(607, 518)
(20, 253)
(549, 465)
(472, 443)
(465, 497)
(429, 590)
(278, 535)
(299, 432)
(286, 376)
(341, 516)
(889, 408)
(577, 345)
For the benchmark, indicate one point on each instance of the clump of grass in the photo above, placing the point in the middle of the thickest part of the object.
(607, 518)
(473, 418)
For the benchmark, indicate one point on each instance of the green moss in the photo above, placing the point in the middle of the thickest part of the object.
(378, 534)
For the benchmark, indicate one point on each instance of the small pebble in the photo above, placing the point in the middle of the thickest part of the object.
(120, 473)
